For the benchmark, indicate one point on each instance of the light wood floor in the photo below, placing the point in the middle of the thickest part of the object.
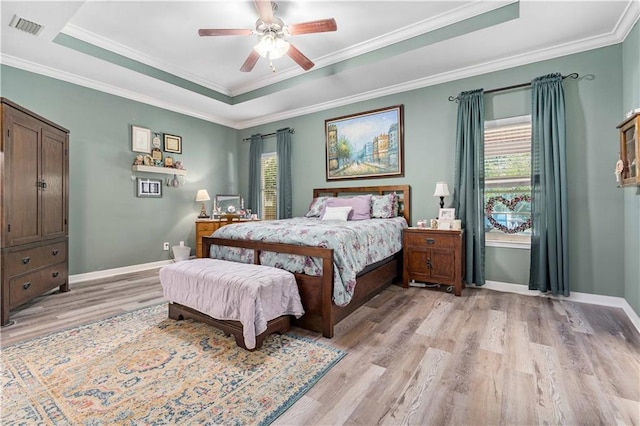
(422, 356)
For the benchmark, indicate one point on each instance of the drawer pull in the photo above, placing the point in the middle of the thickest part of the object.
(55, 274)
(26, 285)
(431, 241)
(54, 252)
(429, 264)
(26, 260)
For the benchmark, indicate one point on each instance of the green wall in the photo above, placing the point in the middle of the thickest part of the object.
(595, 205)
(109, 226)
(631, 101)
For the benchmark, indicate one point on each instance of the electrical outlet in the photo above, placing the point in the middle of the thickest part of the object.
(165, 246)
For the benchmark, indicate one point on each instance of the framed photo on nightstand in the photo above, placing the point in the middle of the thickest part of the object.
(447, 214)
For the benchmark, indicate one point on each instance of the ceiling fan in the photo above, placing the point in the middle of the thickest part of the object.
(272, 32)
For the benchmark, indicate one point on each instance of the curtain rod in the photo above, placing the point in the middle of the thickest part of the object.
(268, 135)
(573, 76)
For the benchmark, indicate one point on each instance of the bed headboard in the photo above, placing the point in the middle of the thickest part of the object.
(402, 191)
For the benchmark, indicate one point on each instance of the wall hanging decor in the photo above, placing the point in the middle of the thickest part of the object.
(149, 188)
(173, 143)
(365, 145)
(140, 139)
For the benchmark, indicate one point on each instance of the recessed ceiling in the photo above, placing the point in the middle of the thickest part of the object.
(151, 51)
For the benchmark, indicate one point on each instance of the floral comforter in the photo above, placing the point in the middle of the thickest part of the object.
(355, 244)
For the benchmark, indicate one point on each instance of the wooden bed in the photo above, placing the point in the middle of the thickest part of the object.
(321, 314)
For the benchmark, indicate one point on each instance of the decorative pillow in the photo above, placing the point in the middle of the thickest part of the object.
(316, 207)
(360, 204)
(384, 206)
(336, 213)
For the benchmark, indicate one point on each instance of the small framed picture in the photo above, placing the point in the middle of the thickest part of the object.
(444, 224)
(168, 162)
(447, 214)
(149, 188)
(173, 143)
(140, 139)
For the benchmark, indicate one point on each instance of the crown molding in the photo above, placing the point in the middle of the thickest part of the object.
(617, 35)
(107, 88)
(628, 19)
(579, 46)
(96, 40)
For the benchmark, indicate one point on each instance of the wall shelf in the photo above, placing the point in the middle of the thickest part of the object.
(162, 170)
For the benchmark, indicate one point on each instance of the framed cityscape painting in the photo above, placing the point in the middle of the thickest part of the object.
(365, 145)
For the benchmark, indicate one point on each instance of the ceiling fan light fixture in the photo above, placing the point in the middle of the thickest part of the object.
(271, 47)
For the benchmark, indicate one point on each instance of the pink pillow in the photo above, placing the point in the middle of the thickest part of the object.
(360, 205)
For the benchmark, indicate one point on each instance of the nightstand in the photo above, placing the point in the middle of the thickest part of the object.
(206, 227)
(433, 256)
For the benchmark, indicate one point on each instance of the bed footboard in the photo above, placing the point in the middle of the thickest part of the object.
(316, 293)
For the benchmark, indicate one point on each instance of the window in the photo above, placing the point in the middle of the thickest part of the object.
(269, 179)
(507, 165)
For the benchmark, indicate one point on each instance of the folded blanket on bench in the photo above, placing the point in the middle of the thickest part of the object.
(251, 294)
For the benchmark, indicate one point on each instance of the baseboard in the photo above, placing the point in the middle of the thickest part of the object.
(77, 278)
(593, 299)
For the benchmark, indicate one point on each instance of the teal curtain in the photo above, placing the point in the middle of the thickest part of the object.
(468, 196)
(284, 193)
(549, 270)
(255, 156)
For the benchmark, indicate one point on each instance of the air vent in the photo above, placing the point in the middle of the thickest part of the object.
(25, 25)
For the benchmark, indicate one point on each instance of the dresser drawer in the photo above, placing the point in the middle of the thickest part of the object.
(19, 262)
(26, 287)
(429, 239)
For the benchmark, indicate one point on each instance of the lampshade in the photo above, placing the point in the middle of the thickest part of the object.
(202, 195)
(442, 189)
(271, 47)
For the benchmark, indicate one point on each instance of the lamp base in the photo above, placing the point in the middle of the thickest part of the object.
(203, 212)
(442, 202)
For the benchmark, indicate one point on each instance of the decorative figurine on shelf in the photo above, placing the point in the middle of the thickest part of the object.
(178, 165)
(619, 170)
(138, 160)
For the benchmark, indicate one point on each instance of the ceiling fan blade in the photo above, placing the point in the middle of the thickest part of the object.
(299, 58)
(222, 32)
(265, 10)
(250, 62)
(320, 26)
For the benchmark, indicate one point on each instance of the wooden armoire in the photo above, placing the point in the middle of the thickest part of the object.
(34, 167)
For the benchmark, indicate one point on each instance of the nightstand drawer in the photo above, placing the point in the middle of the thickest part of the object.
(429, 239)
(207, 227)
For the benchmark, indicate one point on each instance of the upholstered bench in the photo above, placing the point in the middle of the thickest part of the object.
(244, 300)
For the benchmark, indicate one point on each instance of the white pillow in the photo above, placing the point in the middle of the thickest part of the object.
(336, 213)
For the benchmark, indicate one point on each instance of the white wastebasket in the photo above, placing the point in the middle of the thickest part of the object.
(181, 253)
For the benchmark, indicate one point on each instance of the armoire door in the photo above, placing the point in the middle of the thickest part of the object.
(22, 192)
(53, 183)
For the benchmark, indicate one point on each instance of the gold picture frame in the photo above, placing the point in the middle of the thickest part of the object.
(173, 143)
(365, 145)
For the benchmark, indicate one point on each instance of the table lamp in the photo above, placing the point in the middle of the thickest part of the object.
(203, 196)
(442, 190)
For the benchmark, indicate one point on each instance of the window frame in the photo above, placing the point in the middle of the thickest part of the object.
(263, 157)
(516, 241)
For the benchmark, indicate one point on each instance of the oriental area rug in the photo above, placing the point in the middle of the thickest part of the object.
(143, 368)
